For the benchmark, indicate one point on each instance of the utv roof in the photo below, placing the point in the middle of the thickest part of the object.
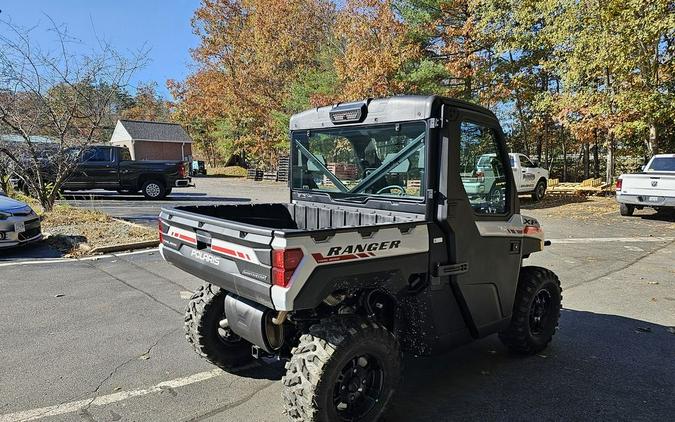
(381, 110)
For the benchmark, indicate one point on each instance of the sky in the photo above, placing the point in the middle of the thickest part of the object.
(161, 26)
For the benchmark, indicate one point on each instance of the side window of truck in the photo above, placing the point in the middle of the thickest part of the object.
(481, 168)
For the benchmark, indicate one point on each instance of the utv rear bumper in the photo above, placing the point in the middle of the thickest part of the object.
(224, 278)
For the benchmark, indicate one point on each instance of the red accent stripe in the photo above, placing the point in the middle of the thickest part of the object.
(230, 252)
(363, 255)
(223, 250)
(372, 253)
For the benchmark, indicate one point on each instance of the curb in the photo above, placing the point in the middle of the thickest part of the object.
(124, 247)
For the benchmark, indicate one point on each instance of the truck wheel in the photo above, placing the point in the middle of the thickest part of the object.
(539, 190)
(536, 311)
(152, 189)
(344, 369)
(207, 332)
(626, 210)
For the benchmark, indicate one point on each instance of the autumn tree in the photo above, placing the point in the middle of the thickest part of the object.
(147, 104)
(374, 48)
(251, 53)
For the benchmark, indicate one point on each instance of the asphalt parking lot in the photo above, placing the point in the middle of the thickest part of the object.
(100, 339)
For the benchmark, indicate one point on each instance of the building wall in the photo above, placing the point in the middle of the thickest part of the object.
(120, 133)
(144, 150)
(126, 144)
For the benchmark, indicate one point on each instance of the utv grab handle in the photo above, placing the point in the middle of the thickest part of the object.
(451, 269)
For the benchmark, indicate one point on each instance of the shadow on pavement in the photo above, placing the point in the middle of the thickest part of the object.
(663, 215)
(602, 367)
(36, 250)
(550, 201)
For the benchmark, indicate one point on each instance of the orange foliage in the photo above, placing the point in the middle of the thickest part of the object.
(375, 49)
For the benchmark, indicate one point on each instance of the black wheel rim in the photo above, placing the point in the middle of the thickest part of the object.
(358, 387)
(540, 312)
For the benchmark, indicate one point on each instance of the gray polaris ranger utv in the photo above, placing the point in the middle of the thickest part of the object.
(379, 251)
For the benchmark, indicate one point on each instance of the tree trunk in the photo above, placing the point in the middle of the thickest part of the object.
(609, 174)
(652, 142)
(596, 157)
(564, 151)
(586, 160)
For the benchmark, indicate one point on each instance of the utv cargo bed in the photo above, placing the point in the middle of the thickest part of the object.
(231, 245)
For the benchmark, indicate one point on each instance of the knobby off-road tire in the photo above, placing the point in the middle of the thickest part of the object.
(331, 363)
(626, 210)
(221, 347)
(536, 311)
(539, 190)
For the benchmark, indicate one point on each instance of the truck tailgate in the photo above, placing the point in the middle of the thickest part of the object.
(646, 184)
(234, 256)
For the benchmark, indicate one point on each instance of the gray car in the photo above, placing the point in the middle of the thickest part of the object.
(19, 224)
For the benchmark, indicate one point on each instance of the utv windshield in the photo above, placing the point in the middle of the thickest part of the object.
(352, 162)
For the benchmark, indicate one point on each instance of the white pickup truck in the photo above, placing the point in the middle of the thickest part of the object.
(654, 187)
(483, 177)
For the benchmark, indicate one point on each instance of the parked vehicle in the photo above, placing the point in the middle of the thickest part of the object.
(485, 176)
(380, 250)
(19, 224)
(111, 168)
(529, 176)
(197, 168)
(654, 187)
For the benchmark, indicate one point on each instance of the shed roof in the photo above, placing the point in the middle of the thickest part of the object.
(155, 131)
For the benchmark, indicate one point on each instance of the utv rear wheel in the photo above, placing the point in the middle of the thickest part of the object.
(152, 189)
(626, 210)
(206, 330)
(344, 369)
(536, 311)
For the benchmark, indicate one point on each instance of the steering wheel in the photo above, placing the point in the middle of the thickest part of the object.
(401, 190)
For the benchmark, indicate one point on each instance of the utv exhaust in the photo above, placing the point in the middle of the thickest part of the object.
(254, 323)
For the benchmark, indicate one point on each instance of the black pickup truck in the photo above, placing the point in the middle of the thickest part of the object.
(111, 168)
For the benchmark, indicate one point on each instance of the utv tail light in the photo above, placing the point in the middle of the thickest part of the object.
(181, 170)
(619, 182)
(160, 229)
(284, 263)
(532, 230)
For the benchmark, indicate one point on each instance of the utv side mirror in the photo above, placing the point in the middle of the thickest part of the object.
(536, 163)
(643, 168)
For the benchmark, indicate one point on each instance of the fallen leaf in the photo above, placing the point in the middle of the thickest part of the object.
(59, 295)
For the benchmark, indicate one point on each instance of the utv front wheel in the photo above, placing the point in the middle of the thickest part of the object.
(344, 369)
(536, 311)
(206, 330)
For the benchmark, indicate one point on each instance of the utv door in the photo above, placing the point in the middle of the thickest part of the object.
(483, 254)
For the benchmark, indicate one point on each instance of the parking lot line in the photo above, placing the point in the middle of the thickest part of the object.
(88, 258)
(612, 239)
(61, 409)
